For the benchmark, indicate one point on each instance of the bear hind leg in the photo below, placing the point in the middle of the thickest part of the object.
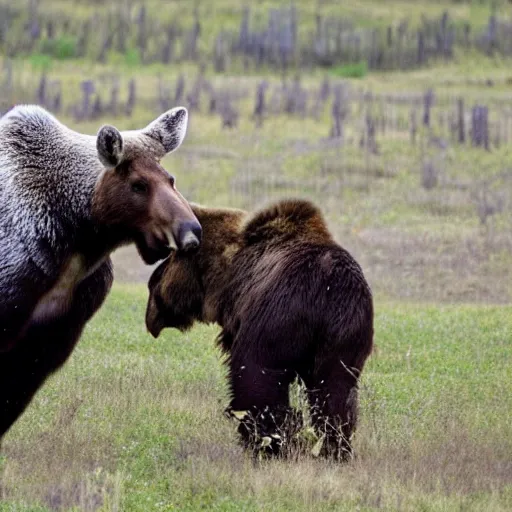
(260, 402)
(333, 399)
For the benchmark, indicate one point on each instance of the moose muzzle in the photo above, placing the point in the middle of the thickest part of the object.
(189, 236)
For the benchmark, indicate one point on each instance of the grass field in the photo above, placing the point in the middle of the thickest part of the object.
(136, 424)
(415, 244)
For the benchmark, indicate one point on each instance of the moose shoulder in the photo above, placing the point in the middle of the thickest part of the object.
(67, 200)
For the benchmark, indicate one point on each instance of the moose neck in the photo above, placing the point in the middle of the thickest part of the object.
(97, 242)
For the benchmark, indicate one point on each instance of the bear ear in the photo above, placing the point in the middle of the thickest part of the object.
(169, 129)
(109, 143)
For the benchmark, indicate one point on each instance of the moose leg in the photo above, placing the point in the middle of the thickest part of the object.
(21, 283)
(260, 401)
(24, 369)
(45, 348)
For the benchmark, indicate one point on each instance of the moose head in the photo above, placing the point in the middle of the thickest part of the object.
(136, 197)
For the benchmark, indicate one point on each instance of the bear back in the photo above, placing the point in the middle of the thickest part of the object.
(287, 219)
(289, 271)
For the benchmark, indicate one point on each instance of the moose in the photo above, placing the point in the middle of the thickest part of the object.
(67, 200)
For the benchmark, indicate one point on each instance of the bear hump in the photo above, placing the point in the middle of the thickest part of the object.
(287, 218)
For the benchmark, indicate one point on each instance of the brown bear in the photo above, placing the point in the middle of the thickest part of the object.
(291, 302)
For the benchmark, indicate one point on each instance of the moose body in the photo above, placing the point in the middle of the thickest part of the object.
(290, 301)
(67, 200)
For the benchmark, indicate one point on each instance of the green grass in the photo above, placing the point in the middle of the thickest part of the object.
(356, 70)
(132, 424)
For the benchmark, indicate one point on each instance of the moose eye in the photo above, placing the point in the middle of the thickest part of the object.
(139, 187)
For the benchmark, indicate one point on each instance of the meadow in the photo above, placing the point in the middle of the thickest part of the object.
(136, 424)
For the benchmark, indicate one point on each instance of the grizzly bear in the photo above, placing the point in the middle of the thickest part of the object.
(67, 200)
(291, 302)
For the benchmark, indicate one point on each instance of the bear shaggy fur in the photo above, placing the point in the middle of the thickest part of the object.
(67, 200)
(290, 301)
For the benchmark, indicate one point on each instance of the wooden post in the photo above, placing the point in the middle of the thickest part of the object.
(421, 57)
(41, 90)
(336, 113)
(88, 89)
(180, 89)
(461, 130)
(428, 101)
(414, 125)
(259, 108)
(130, 103)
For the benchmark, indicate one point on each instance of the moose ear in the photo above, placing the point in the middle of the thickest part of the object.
(169, 129)
(109, 143)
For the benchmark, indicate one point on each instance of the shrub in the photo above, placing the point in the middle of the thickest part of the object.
(132, 57)
(355, 70)
(63, 47)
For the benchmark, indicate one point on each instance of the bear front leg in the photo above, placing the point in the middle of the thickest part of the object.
(333, 399)
(260, 402)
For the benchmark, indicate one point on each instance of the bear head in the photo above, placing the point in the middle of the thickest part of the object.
(185, 287)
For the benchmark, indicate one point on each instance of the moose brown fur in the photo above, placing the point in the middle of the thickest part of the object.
(67, 200)
(290, 301)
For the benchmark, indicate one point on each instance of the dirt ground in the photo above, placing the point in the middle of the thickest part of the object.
(401, 266)
(129, 267)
